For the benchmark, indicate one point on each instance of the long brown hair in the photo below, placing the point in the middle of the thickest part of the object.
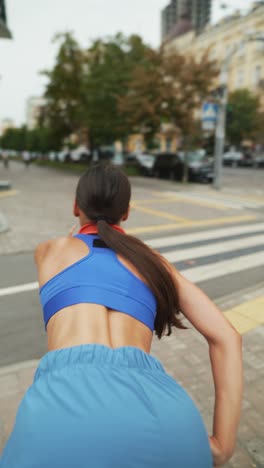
(104, 190)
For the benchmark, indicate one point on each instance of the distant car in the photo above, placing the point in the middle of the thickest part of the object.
(81, 154)
(248, 158)
(171, 166)
(259, 160)
(146, 163)
(64, 156)
(233, 158)
(52, 156)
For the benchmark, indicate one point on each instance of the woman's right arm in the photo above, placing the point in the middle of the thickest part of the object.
(225, 349)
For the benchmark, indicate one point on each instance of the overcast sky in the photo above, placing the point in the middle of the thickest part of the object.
(34, 23)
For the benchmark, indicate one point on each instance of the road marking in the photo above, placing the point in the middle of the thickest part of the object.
(8, 193)
(204, 235)
(195, 274)
(228, 201)
(201, 223)
(213, 249)
(247, 316)
(178, 197)
(18, 289)
(224, 268)
(161, 214)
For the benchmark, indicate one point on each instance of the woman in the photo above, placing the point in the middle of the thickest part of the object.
(99, 399)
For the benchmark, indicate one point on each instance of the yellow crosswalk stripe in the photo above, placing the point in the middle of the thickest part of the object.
(247, 316)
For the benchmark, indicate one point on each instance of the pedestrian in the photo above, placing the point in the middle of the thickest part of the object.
(26, 158)
(5, 158)
(99, 399)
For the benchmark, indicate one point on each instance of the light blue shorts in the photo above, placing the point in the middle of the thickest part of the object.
(95, 407)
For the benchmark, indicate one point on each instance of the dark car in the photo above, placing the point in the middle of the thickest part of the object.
(171, 166)
(259, 160)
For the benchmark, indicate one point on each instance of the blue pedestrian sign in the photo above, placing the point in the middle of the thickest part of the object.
(209, 115)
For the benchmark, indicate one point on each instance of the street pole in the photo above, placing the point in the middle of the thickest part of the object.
(221, 131)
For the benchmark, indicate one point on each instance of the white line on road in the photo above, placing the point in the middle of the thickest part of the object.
(226, 267)
(204, 235)
(18, 289)
(213, 249)
(202, 273)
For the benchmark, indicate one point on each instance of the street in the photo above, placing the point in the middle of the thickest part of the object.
(215, 238)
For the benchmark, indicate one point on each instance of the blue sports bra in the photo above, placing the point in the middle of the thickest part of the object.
(99, 278)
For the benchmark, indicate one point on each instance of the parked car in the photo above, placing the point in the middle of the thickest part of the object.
(233, 158)
(81, 154)
(64, 156)
(146, 163)
(248, 158)
(171, 166)
(259, 160)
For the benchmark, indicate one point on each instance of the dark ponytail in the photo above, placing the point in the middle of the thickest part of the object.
(104, 192)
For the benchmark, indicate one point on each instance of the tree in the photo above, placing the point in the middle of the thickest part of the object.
(244, 116)
(110, 65)
(168, 89)
(64, 92)
(14, 138)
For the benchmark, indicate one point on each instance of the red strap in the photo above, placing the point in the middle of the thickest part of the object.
(93, 229)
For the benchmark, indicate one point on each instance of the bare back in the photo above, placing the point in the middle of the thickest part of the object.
(86, 323)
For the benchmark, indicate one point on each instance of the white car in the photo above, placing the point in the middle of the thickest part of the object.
(146, 162)
(233, 158)
(64, 155)
(80, 154)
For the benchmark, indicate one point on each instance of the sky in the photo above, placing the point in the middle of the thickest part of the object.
(35, 22)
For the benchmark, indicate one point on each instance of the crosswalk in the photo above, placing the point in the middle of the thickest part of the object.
(201, 255)
(214, 253)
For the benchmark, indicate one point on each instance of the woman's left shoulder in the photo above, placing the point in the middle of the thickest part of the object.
(47, 247)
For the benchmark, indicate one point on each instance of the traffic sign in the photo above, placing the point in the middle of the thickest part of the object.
(209, 112)
(209, 116)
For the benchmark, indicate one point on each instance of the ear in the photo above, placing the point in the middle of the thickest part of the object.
(126, 214)
(76, 211)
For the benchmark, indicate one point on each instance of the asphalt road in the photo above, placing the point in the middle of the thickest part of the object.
(22, 335)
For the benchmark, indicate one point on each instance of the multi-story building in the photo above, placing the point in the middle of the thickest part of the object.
(247, 66)
(34, 108)
(197, 11)
(5, 124)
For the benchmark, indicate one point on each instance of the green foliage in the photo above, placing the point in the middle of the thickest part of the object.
(167, 89)
(244, 123)
(64, 92)
(37, 140)
(119, 86)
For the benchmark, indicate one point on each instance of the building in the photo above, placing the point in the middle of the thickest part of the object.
(4, 31)
(5, 124)
(198, 12)
(169, 17)
(247, 66)
(34, 109)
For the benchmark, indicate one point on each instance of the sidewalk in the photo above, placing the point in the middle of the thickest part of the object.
(185, 357)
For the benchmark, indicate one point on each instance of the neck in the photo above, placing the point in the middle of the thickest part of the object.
(92, 228)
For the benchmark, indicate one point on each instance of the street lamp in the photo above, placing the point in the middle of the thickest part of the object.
(221, 120)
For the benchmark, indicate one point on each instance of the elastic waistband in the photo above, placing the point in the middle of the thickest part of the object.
(98, 355)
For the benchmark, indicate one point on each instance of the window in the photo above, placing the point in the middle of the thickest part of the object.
(242, 50)
(260, 46)
(257, 73)
(240, 78)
